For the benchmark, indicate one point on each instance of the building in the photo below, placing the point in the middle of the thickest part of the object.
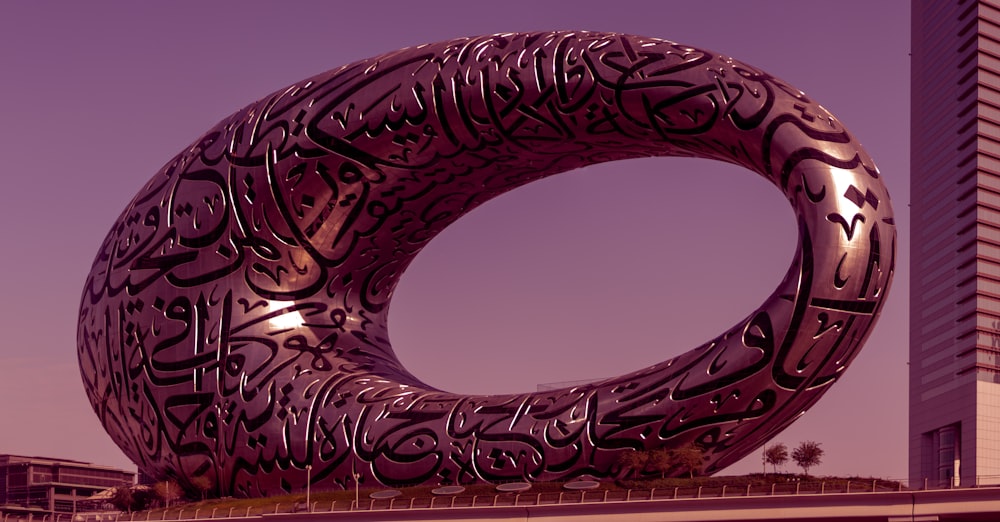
(955, 249)
(46, 486)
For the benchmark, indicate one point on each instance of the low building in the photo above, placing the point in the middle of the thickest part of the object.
(46, 486)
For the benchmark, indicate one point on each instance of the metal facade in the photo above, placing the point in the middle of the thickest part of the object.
(233, 328)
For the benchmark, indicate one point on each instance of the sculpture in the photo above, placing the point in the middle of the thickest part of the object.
(233, 325)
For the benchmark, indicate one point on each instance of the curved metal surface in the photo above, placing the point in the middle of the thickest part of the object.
(233, 326)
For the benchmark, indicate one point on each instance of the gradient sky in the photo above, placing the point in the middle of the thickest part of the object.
(528, 288)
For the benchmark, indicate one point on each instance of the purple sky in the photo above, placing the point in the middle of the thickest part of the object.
(524, 290)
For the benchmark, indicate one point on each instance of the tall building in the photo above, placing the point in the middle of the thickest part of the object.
(955, 243)
(44, 486)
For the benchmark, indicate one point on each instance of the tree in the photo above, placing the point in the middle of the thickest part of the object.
(167, 491)
(808, 455)
(688, 457)
(122, 498)
(202, 483)
(776, 455)
(131, 498)
(661, 460)
(142, 497)
(633, 460)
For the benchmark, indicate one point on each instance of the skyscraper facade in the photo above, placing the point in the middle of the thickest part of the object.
(955, 243)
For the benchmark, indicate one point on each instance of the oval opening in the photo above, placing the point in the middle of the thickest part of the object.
(590, 274)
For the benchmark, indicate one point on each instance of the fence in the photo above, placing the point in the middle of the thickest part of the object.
(503, 499)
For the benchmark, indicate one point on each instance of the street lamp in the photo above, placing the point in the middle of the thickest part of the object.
(357, 484)
(763, 458)
(309, 468)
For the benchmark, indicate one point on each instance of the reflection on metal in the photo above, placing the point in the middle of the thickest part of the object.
(233, 328)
